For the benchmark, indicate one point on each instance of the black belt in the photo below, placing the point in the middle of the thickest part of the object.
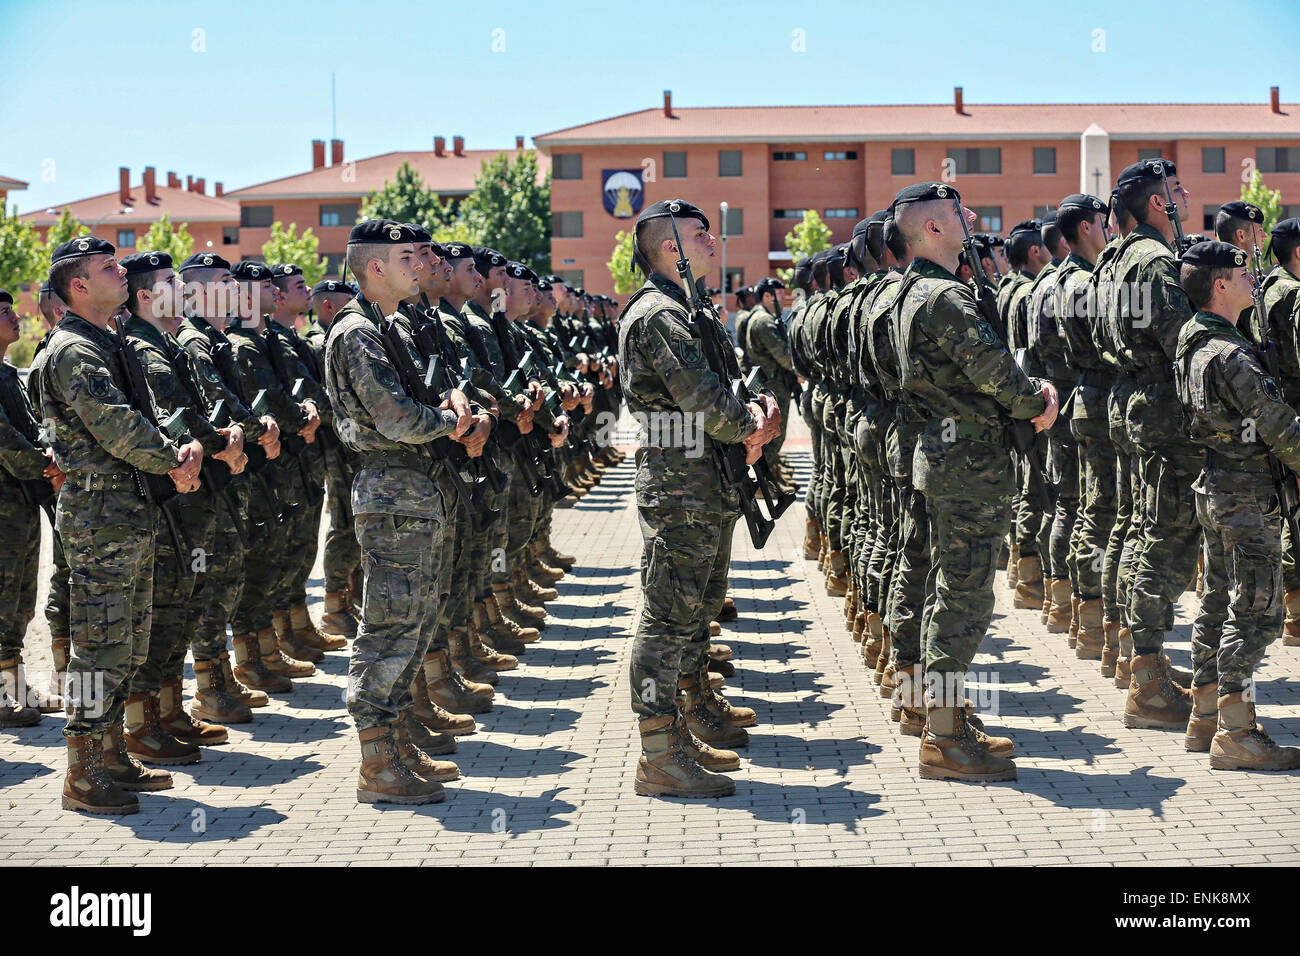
(395, 458)
(102, 481)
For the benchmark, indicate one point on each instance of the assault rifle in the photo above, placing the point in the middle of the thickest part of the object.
(214, 476)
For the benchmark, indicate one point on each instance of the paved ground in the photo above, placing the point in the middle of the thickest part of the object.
(826, 778)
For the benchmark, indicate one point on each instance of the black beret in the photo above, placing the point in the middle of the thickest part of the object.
(437, 248)
(285, 269)
(861, 228)
(46, 288)
(457, 250)
(204, 260)
(925, 192)
(6, 297)
(1286, 230)
(517, 270)
(552, 278)
(486, 259)
(678, 208)
(82, 246)
(421, 234)
(1239, 209)
(333, 285)
(249, 271)
(1145, 171)
(769, 284)
(138, 263)
(1049, 218)
(543, 285)
(384, 232)
(1215, 255)
(803, 271)
(1082, 201)
(1028, 225)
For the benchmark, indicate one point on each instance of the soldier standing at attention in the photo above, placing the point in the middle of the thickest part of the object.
(686, 515)
(744, 306)
(768, 348)
(1222, 384)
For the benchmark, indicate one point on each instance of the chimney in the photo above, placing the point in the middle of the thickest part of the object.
(519, 142)
(336, 152)
(1274, 99)
(218, 190)
(173, 181)
(150, 185)
(318, 154)
(668, 103)
(124, 185)
(189, 183)
(440, 146)
(200, 186)
(458, 145)
(957, 102)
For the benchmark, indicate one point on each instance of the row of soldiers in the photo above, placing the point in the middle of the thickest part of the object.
(925, 349)
(184, 427)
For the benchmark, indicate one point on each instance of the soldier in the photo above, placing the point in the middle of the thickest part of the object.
(686, 515)
(1237, 412)
(767, 347)
(744, 306)
(1241, 224)
(800, 358)
(106, 529)
(956, 368)
(399, 513)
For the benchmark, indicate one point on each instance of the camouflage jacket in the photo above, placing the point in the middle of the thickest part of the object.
(301, 365)
(159, 354)
(467, 340)
(1235, 409)
(794, 333)
(1007, 288)
(816, 333)
(1282, 307)
(19, 458)
(95, 428)
(199, 339)
(766, 345)
(1047, 320)
(878, 355)
(669, 386)
(384, 425)
(253, 363)
(739, 321)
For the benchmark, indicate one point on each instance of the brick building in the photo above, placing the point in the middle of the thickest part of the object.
(1010, 162)
(9, 185)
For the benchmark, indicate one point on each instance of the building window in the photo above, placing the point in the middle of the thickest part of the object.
(230, 235)
(1212, 159)
(735, 278)
(566, 166)
(339, 213)
(729, 162)
(787, 213)
(790, 156)
(735, 222)
(674, 164)
(1278, 159)
(990, 218)
(566, 225)
(571, 277)
(1145, 154)
(846, 213)
(978, 160)
(1044, 160)
(256, 217)
(1207, 219)
(834, 154)
(1041, 211)
(1288, 212)
(125, 238)
(334, 263)
(902, 162)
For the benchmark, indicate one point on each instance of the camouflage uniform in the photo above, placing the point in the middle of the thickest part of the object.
(686, 515)
(1032, 523)
(767, 347)
(21, 542)
(107, 530)
(740, 320)
(56, 600)
(1281, 291)
(801, 355)
(399, 512)
(1222, 384)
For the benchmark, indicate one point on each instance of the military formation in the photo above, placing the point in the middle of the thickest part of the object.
(187, 427)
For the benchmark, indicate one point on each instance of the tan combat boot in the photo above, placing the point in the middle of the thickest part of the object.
(532, 592)
(719, 652)
(1013, 567)
(951, 751)
(309, 635)
(147, 741)
(416, 743)
(703, 721)
(245, 695)
(463, 659)
(337, 620)
(812, 537)
(543, 572)
(909, 698)
(1092, 633)
(724, 709)
(873, 638)
(509, 605)
(821, 554)
(558, 559)
(291, 647)
(1124, 664)
(1029, 583)
(728, 611)
(488, 657)
(837, 582)
(127, 772)
(212, 701)
(14, 714)
(452, 692)
(499, 639)
(860, 626)
(1046, 611)
(438, 720)
(1059, 605)
(177, 722)
(1110, 647)
(14, 678)
(710, 758)
(1204, 720)
(60, 651)
(1291, 625)
(1072, 641)
(850, 604)
(276, 660)
(88, 786)
(249, 668)
(667, 769)
(498, 622)
(384, 778)
(888, 677)
(1153, 699)
(882, 659)
(1242, 744)
(714, 629)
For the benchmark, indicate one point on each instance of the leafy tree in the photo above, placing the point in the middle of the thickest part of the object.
(1268, 200)
(31, 329)
(23, 260)
(67, 227)
(405, 199)
(811, 235)
(161, 237)
(285, 245)
(458, 230)
(627, 277)
(511, 211)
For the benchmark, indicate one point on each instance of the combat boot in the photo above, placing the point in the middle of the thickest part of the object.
(488, 657)
(289, 644)
(873, 638)
(127, 772)
(1058, 609)
(836, 579)
(1110, 647)
(728, 611)
(1013, 567)
(951, 751)
(1092, 633)
(821, 554)
(60, 651)
(14, 677)
(251, 670)
(1124, 663)
(997, 746)
(1242, 744)
(337, 620)
(860, 627)
(1029, 583)
(555, 557)
(719, 652)
(509, 605)
(1072, 640)
(449, 690)
(309, 635)
(245, 695)
(725, 668)
(212, 700)
(724, 709)
(408, 729)
(88, 786)
(498, 639)
(909, 699)
(384, 778)
(812, 537)
(544, 573)
(882, 660)
(532, 592)
(667, 769)
(498, 622)
(147, 741)
(1181, 677)
(1291, 625)
(701, 720)
(177, 722)
(276, 660)
(888, 679)
(710, 758)
(1204, 720)
(14, 714)
(1046, 608)
(714, 629)
(850, 606)
(1153, 699)
(464, 660)
(716, 680)
(426, 711)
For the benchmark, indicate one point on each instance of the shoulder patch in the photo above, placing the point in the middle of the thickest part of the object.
(211, 374)
(1270, 389)
(986, 333)
(385, 376)
(99, 385)
(690, 352)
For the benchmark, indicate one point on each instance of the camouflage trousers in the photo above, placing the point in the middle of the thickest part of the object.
(108, 540)
(342, 553)
(684, 563)
(302, 538)
(525, 512)
(834, 480)
(266, 557)
(56, 600)
(223, 585)
(1290, 569)
(400, 562)
(907, 586)
(1242, 607)
(1117, 565)
(1097, 497)
(486, 552)
(817, 487)
(782, 394)
(455, 596)
(1033, 522)
(20, 547)
(1164, 563)
(1063, 473)
(883, 558)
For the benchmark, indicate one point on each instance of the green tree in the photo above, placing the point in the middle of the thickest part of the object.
(627, 277)
(810, 236)
(23, 260)
(405, 199)
(162, 237)
(285, 245)
(511, 211)
(1268, 200)
(67, 227)
(458, 230)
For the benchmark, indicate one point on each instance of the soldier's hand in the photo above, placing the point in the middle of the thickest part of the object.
(308, 431)
(525, 420)
(272, 434)
(1048, 418)
(233, 454)
(535, 389)
(54, 473)
(190, 457)
(455, 400)
(561, 432)
(584, 363)
(477, 437)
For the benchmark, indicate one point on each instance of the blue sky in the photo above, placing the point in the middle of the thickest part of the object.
(236, 91)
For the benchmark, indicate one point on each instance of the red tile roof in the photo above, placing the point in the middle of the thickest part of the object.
(180, 205)
(9, 183)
